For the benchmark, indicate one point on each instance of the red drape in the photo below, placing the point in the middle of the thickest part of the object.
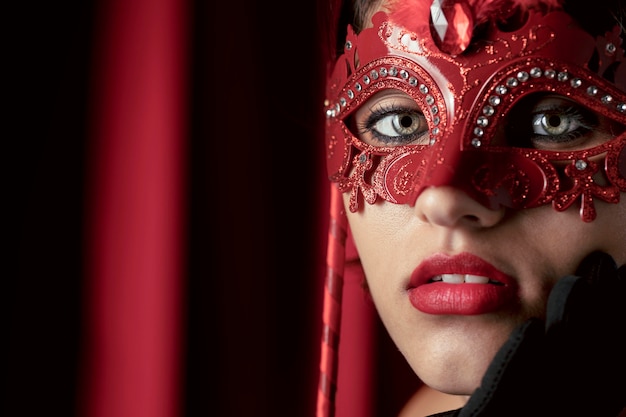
(131, 273)
(356, 395)
(135, 219)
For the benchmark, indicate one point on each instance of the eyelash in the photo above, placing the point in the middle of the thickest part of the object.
(379, 113)
(574, 114)
(534, 113)
(536, 124)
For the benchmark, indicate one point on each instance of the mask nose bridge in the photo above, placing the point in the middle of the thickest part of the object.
(444, 162)
(453, 161)
(449, 164)
(493, 178)
(447, 161)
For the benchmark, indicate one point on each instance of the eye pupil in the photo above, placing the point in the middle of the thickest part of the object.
(554, 121)
(406, 121)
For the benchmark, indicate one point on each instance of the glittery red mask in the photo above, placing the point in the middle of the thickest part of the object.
(470, 103)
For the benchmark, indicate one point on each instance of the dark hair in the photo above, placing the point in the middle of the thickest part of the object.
(598, 20)
(336, 15)
(597, 17)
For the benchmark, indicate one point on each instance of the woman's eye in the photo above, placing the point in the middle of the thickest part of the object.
(390, 118)
(560, 125)
(396, 125)
(552, 122)
(393, 127)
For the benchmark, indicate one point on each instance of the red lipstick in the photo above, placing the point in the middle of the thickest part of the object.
(462, 284)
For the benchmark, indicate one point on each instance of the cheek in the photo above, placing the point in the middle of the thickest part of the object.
(614, 228)
(564, 235)
(606, 233)
(385, 237)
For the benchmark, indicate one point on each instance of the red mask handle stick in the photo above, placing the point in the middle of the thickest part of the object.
(335, 259)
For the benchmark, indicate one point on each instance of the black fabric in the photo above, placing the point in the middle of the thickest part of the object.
(451, 413)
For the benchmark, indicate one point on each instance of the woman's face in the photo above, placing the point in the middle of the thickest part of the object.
(449, 335)
(533, 247)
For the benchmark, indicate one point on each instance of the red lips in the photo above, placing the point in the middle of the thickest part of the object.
(430, 294)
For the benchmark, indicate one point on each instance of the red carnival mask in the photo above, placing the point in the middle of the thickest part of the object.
(466, 93)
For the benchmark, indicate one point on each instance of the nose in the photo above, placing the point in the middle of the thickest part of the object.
(449, 206)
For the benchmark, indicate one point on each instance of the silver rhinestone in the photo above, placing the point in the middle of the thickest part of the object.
(536, 72)
(433, 140)
(430, 100)
(563, 76)
(482, 121)
(434, 109)
(330, 113)
(494, 100)
(476, 143)
(362, 158)
(374, 74)
(522, 76)
(404, 74)
(423, 89)
(478, 131)
(580, 165)
(610, 48)
(607, 99)
(350, 94)
(576, 82)
(621, 107)
(436, 120)
(343, 102)
(550, 73)
(488, 111)
(413, 81)
(358, 87)
(435, 131)
(348, 46)
(366, 79)
(512, 82)
(383, 72)
(592, 90)
(501, 90)
(393, 71)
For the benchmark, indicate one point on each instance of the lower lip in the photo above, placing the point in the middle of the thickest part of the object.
(460, 299)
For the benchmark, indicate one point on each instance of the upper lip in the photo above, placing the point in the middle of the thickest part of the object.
(463, 263)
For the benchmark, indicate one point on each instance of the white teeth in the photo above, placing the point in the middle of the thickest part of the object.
(476, 279)
(461, 278)
(453, 278)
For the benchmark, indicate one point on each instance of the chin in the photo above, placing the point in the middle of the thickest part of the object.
(466, 386)
(456, 371)
(455, 383)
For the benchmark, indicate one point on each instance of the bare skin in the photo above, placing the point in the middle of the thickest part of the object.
(535, 246)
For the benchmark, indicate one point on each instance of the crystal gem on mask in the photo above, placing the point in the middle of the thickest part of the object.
(451, 25)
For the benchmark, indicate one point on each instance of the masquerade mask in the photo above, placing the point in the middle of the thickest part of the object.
(517, 117)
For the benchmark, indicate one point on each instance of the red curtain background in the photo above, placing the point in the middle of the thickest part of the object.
(168, 213)
(169, 208)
